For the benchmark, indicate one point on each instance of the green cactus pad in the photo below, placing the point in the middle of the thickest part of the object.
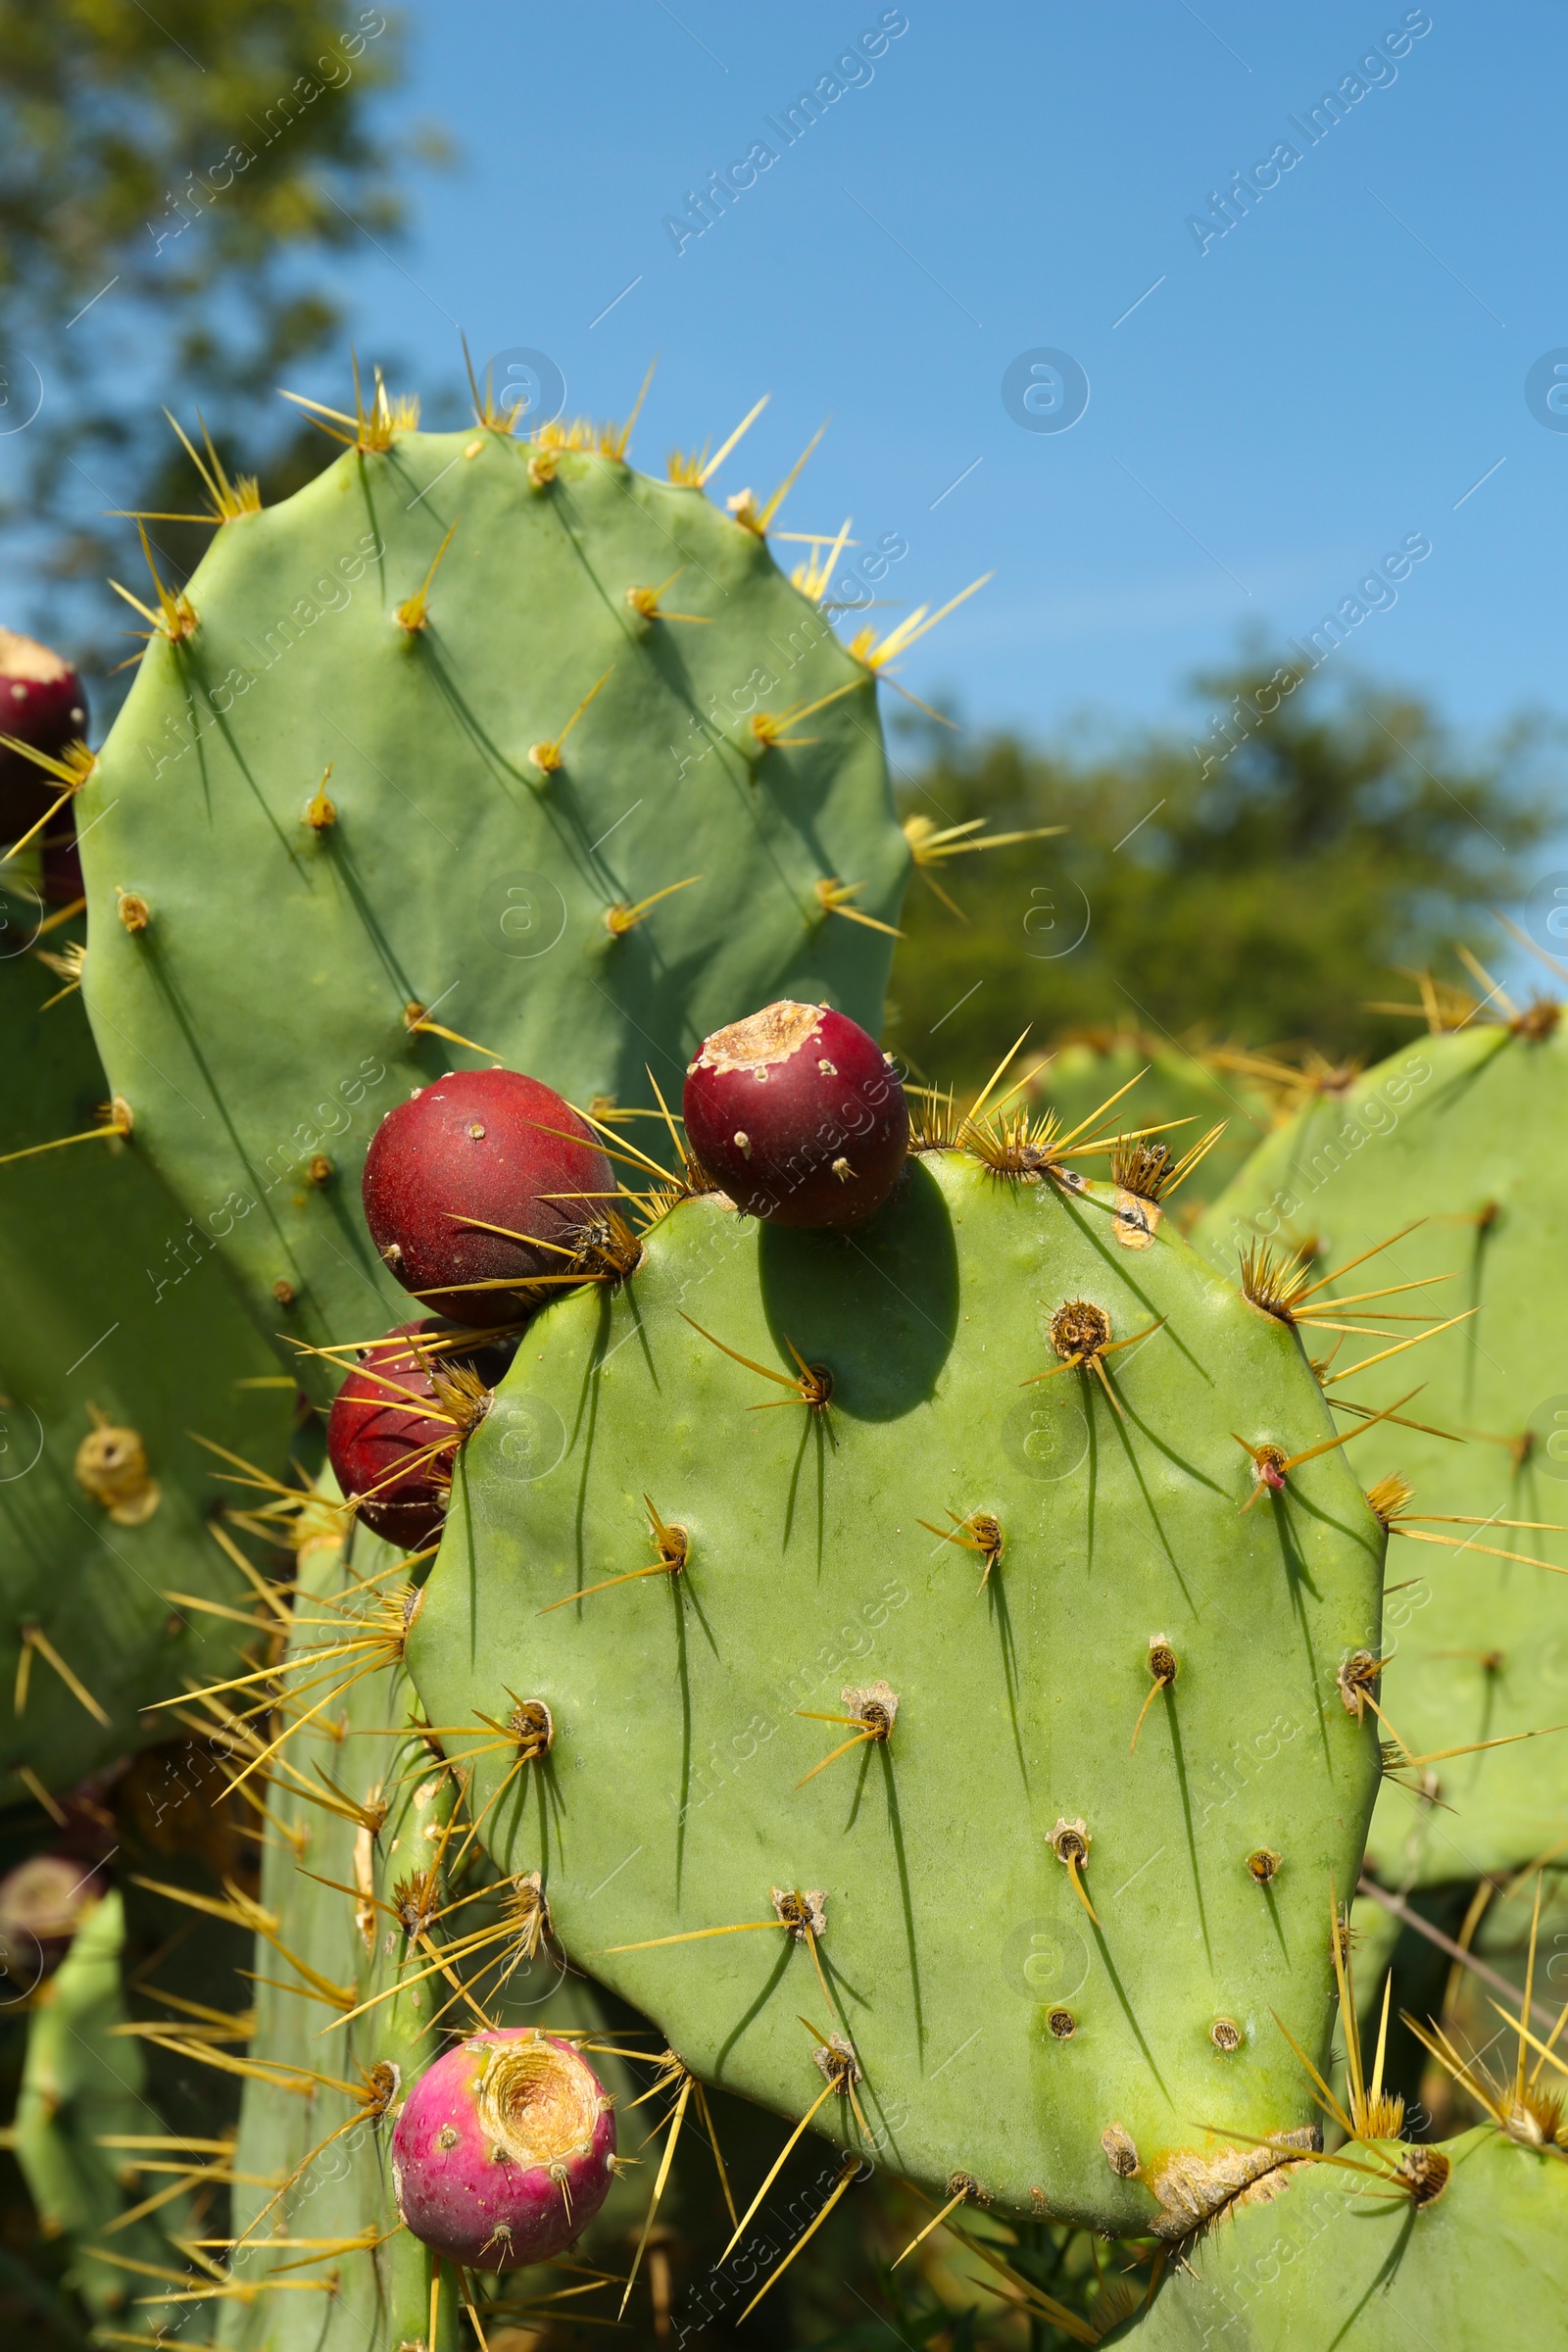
(1002, 2034)
(337, 2187)
(1324, 2259)
(83, 2089)
(108, 1302)
(257, 1020)
(1465, 1131)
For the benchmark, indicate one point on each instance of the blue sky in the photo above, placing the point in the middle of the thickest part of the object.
(1344, 366)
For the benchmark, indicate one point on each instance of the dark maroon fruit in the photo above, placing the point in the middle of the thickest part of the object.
(41, 705)
(63, 884)
(799, 1116)
(481, 1149)
(388, 1416)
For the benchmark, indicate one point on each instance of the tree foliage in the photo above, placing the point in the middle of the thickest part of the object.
(177, 188)
(1265, 901)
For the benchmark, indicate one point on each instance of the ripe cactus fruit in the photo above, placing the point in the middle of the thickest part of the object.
(529, 902)
(1466, 2247)
(484, 1178)
(1449, 1147)
(503, 2150)
(120, 1337)
(42, 704)
(799, 1116)
(1001, 1456)
(397, 1422)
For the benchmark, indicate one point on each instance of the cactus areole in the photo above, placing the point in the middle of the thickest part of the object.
(800, 1117)
(505, 2149)
(482, 1179)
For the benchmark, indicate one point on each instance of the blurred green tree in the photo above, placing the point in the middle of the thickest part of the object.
(178, 184)
(1262, 900)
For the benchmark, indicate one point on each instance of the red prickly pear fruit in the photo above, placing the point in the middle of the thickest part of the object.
(503, 2150)
(799, 1116)
(41, 705)
(481, 1149)
(388, 1413)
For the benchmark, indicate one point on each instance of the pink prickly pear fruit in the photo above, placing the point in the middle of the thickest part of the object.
(799, 1116)
(481, 1149)
(41, 705)
(503, 2150)
(388, 1416)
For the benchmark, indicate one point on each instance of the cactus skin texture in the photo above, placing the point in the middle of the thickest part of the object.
(106, 1301)
(1466, 1132)
(83, 2082)
(1333, 2263)
(442, 865)
(1000, 2031)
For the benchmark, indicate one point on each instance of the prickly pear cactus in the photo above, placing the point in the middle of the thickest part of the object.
(1326, 2260)
(1023, 1952)
(601, 778)
(83, 2124)
(1464, 1133)
(120, 1337)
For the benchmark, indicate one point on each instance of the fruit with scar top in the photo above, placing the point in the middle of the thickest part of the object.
(799, 1116)
(505, 2149)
